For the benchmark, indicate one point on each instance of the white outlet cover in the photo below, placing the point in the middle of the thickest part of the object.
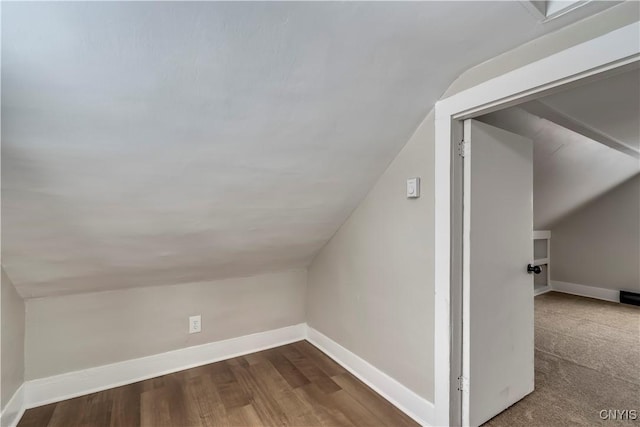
(195, 324)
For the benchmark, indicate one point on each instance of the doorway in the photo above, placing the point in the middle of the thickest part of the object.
(582, 147)
(565, 69)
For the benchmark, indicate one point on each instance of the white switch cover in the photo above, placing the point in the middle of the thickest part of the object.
(195, 324)
(413, 188)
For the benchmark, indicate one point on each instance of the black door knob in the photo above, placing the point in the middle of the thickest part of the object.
(534, 269)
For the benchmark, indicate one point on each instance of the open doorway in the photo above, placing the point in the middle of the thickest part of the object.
(583, 146)
(503, 315)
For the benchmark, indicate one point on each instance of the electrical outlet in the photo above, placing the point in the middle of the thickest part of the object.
(195, 324)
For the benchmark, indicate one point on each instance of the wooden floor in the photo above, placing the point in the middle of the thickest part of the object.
(292, 385)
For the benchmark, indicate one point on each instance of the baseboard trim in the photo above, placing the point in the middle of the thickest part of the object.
(416, 407)
(73, 384)
(14, 409)
(585, 291)
(56, 388)
(542, 291)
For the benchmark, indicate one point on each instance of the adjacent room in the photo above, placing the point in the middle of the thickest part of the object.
(320, 213)
(586, 242)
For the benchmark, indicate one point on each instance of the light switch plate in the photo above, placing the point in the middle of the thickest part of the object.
(195, 324)
(413, 188)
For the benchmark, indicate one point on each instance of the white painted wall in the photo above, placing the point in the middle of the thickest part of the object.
(69, 333)
(12, 340)
(388, 278)
(376, 272)
(599, 245)
(571, 35)
(369, 288)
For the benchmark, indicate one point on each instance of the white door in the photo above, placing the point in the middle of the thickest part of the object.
(498, 348)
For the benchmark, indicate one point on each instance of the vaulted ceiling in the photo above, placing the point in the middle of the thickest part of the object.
(161, 143)
(586, 142)
(610, 106)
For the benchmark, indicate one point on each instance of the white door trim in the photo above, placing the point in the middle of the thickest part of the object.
(601, 54)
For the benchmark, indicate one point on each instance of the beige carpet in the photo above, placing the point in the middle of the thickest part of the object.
(587, 359)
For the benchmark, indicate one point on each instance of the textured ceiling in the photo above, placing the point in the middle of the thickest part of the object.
(570, 169)
(161, 143)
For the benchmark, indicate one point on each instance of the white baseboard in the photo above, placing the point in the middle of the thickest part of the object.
(78, 383)
(418, 408)
(586, 291)
(73, 384)
(541, 290)
(14, 409)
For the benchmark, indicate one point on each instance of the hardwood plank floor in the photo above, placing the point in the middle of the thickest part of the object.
(292, 385)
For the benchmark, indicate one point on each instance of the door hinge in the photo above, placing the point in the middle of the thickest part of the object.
(462, 148)
(463, 383)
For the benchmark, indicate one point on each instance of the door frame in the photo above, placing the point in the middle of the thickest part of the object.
(608, 54)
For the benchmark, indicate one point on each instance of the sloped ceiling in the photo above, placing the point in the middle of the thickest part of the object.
(161, 143)
(610, 105)
(571, 169)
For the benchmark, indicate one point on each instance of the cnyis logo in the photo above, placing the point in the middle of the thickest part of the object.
(619, 414)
